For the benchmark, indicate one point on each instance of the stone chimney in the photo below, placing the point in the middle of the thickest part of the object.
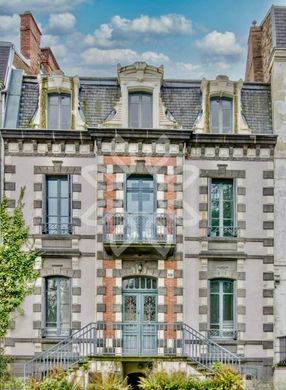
(30, 38)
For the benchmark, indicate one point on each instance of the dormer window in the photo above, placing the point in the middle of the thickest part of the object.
(140, 110)
(59, 111)
(221, 115)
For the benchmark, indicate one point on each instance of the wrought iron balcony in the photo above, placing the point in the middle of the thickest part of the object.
(230, 334)
(57, 228)
(223, 231)
(124, 232)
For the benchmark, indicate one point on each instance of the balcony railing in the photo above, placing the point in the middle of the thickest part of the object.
(134, 340)
(223, 231)
(229, 334)
(57, 228)
(139, 228)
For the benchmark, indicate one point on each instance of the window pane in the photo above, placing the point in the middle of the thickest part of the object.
(51, 303)
(140, 110)
(146, 111)
(221, 115)
(214, 286)
(227, 116)
(52, 207)
(228, 307)
(65, 114)
(52, 187)
(215, 116)
(53, 115)
(228, 286)
(214, 317)
(59, 111)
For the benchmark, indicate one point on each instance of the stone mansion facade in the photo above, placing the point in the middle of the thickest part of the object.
(151, 202)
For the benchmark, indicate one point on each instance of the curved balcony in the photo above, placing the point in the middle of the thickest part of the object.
(139, 233)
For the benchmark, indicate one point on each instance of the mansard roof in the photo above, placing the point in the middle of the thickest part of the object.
(182, 98)
(5, 49)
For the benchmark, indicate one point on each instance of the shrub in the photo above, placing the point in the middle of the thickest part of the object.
(109, 382)
(175, 381)
(226, 378)
(56, 380)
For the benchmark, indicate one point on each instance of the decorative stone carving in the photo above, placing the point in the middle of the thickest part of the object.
(140, 77)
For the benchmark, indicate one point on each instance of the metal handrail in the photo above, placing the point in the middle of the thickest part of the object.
(102, 339)
(205, 352)
(155, 228)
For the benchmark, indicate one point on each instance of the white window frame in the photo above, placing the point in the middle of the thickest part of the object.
(220, 114)
(221, 226)
(223, 332)
(58, 331)
(59, 113)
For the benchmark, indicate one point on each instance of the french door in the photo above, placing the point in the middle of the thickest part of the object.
(140, 316)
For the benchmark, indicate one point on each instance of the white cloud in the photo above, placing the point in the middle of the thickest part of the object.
(61, 23)
(154, 58)
(95, 56)
(9, 23)
(165, 24)
(8, 7)
(101, 37)
(121, 29)
(222, 44)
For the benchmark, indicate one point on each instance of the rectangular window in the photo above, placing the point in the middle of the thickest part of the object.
(57, 306)
(57, 202)
(59, 111)
(221, 115)
(140, 225)
(222, 308)
(140, 110)
(222, 208)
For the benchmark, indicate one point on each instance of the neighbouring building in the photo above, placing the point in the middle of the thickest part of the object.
(266, 61)
(152, 204)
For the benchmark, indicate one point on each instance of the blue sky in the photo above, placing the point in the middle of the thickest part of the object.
(191, 38)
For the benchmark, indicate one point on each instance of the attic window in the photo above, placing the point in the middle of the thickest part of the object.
(59, 111)
(140, 110)
(221, 115)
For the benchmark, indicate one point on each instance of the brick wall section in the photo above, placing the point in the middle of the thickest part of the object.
(254, 65)
(30, 41)
(162, 169)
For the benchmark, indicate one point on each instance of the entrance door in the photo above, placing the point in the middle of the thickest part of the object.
(139, 225)
(140, 316)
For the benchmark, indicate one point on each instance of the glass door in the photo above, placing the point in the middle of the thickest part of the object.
(140, 316)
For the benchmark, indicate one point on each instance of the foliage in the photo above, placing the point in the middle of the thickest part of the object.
(161, 380)
(16, 264)
(56, 380)
(107, 382)
(226, 379)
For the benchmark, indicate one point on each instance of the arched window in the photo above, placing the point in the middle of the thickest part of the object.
(57, 306)
(222, 308)
(221, 115)
(140, 110)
